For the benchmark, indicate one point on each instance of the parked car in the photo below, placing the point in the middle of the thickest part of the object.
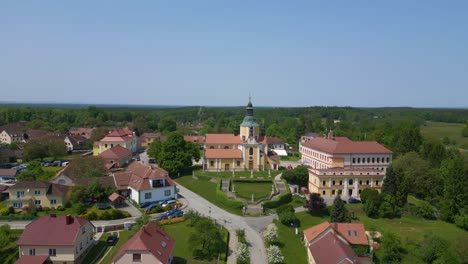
(177, 213)
(65, 163)
(170, 202)
(353, 200)
(163, 202)
(111, 240)
(162, 217)
(145, 204)
(57, 163)
(151, 206)
(103, 206)
(172, 211)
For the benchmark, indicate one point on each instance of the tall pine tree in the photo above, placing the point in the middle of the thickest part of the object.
(338, 212)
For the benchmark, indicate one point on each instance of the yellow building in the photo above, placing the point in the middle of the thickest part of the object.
(338, 165)
(118, 137)
(247, 151)
(56, 239)
(36, 193)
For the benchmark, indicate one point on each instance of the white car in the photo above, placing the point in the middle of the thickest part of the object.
(170, 202)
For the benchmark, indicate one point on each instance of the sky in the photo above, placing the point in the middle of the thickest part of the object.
(216, 53)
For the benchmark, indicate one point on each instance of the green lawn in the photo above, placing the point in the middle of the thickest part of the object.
(290, 244)
(237, 174)
(440, 130)
(9, 253)
(49, 173)
(183, 252)
(124, 236)
(206, 189)
(258, 189)
(97, 251)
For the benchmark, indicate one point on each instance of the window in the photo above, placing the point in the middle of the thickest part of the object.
(105, 145)
(167, 192)
(333, 182)
(333, 192)
(250, 151)
(19, 194)
(360, 182)
(349, 233)
(32, 251)
(226, 147)
(368, 160)
(163, 244)
(354, 160)
(147, 195)
(53, 201)
(378, 160)
(358, 160)
(83, 230)
(373, 160)
(52, 252)
(355, 232)
(137, 257)
(238, 163)
(388, 159)
(17, 205)
(37, 202)
(324, 183)
(367, 182)
(350, 182)
(377, 183)
(341, 182)
(37, 192)
(211, 163)
(211, 147)
(323, 192)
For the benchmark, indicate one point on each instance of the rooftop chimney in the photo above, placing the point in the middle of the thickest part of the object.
(69, 219)
(330, 135)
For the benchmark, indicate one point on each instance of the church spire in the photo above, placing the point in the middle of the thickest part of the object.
(249, 107)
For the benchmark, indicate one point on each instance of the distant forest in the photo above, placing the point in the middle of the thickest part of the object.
(287, 124)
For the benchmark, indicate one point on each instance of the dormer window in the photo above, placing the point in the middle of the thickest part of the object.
(157, 183)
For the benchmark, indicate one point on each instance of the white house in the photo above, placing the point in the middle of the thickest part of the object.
(149, 183)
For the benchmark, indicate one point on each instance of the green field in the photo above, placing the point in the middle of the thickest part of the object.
(439, 130)
(183, 252)
(245, 190)
(205, 189)
(291, 245)
(410, 229)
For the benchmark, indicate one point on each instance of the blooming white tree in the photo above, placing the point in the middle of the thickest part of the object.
(271, 233)
(274, 254)
(242, 252)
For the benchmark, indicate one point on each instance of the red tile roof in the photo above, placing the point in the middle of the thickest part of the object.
(114, 196)
(330, 249)
(142, 173)
(52, 231)
(14, 129)
(222, 139)
(223, 154)
(38, 259)
(8, 172)
(354, 233)
(272, 141)
(343, 145)
(116, 152)
(195, 139)
(118, 135)
(151, 239)
(313, 232)
(121, 180)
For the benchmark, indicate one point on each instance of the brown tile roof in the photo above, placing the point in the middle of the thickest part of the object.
(195, 139)
(116, 152)
(83, 131)
(118, 135)
(8, 172)
(329, 249)
(14, 129)
(37, 259)
(77, 140)
(222, 139)
(150, 135)
(38, 133)
(114, 196)
(30, 184)
(223, 154)
(343, 145)
(353, 232)
(313, 232)
(52, 231)
(105, 181)
(121, 180)
(142, 173)
(151, 239)
(272, 141)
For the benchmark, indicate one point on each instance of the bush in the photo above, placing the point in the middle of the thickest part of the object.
(288, 218)
(361, 250)
(462, 221)
(223, 199)
(46, 209)
(242, 253)
(105, 216)
(271, 233)
(171, 221)
(81, 208)
(60, 208)
(425, 210)
(284, 208)
(282, 199)
(274, 254)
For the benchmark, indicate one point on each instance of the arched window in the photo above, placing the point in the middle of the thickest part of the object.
(250, 151)
(350, 182)
(226, 147)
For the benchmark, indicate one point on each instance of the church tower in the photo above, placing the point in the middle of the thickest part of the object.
(249, 128)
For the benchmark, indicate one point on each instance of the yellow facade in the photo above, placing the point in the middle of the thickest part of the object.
(224, 164)
(101, 147)
(34, 197)
(348, 186)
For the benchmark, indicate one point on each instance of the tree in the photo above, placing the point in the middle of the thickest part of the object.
(435, 249)
(96, 191)
(35, 149)
(206, 240)
(391, 248)
(55, 148)
(407, 138)
(388, 207)
(455, 195)
(396, 185)
(271, 233)
(167, 125)
(175, 154)
(86, 167)
(338, 212)
(315, 203)
(31, 173)
(371, 202)
(299, 175)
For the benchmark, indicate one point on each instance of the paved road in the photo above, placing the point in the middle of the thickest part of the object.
(251, 225)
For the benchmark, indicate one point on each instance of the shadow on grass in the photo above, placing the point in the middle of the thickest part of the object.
(179, 260)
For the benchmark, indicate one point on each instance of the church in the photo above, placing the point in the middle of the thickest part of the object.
(250, 149)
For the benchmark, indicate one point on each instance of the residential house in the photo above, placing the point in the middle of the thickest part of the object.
(247, 150)
(85, 132)
(199, 140)
(151, 244)
(332, 243)
(12, 132)
(120, 136)
(149, 183)
(29, 194)
(32, 134)
(10, 155)
(64, 239)
(8, 175)
(116, 157)
(75, 142)
(148, 138)
(338, 165)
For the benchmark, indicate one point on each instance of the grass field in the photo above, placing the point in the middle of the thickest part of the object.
(439, 130)
(290, 244)
(258, 189)
(410, 229)
(98, 250)
(206, 189)
(183, 252)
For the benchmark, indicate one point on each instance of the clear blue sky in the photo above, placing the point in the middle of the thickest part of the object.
(285, 53)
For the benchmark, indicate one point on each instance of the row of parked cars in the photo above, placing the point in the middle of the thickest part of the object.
(173, 213)
(151, 205)
(55, 163)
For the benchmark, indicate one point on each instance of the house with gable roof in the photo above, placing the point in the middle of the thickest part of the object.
(123, 137)
(149, 183)
(116, 156)
(12, 132)
(151, 244)
(37, 193)
(60, 239)
(332, 243)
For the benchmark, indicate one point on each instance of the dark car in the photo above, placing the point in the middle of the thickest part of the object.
(103, 206)
(176, 214)
(145, 204)
(353, 200)
(162, 217)
(111, 240)
(151, 206)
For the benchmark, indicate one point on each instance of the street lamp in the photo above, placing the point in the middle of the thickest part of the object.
(209, 211)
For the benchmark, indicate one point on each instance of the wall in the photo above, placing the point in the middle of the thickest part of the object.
(145, 258)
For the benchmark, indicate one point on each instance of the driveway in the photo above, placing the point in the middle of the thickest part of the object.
(251, 225)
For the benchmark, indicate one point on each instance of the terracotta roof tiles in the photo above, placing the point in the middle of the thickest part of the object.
(343, 145)
(222, 139)
(116, 152)
(223, 153)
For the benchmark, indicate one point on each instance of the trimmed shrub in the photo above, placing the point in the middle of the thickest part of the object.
(60, 208)
(171, 221)
(282, 199)
(360, 250)
(242, 253)
(222, 198)
(274, 254)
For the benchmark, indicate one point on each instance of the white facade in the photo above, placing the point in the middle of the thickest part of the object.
(153, 195)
